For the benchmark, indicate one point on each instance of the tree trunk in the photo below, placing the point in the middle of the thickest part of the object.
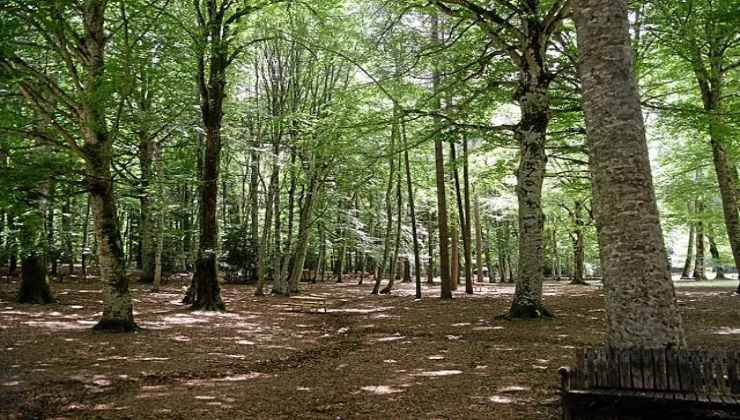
(304, 227)
(117, 305)
(716, 260)
(640, 299)
(412, 211)
(556, 255)
(699, 267)
(159, 214)
(397, 241)
(478, 242)
(689, 254)
(467, 231)
(534, 105)
(578, 246)
(147, 219)
(439, 174)
(263, 242)
(430, 246)
(85, 239)
(34, 286)
(388, 212)
(206, 292)
(454, 258)
(68, 255)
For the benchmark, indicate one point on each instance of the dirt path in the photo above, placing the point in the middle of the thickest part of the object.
(369, 357)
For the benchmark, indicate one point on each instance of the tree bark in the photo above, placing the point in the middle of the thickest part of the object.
(454, 258)
(578, 246)
(412, 211)
(534, 105)
(699, 266)
(439, 174)
(147, 219)
(34, 286)
(688, 264)
(397, 241)
(467, 231)
(640, 299)
(478, 242)
(304, 227)
(716, 260)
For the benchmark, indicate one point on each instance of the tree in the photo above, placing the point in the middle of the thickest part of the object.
(77, 38)
(641, 303)
(215, 51)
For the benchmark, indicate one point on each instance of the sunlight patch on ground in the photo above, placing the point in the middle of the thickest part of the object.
(501, 399)
(381, 389)
(514, 388)
(181, 338)
(728, 331)
(394, 337)
(439, 373)
(61, 325)
(360, 310)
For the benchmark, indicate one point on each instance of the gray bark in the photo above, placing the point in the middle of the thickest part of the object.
(640, 299)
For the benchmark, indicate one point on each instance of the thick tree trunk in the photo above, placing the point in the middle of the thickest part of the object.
(117, 305)
(206, 291)
(34, 286)
(534, 105)
(640, 299)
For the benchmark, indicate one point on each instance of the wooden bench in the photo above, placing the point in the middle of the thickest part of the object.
(612, 383)
(307, 303)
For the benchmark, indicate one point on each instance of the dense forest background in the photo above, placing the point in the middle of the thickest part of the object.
(281, 141)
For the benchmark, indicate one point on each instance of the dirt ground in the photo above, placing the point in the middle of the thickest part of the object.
(368, 357)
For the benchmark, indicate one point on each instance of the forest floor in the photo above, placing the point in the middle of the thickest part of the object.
(368, 357)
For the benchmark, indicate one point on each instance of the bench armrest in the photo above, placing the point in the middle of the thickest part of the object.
(565, 374)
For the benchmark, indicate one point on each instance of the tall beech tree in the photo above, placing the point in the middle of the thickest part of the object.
(640, 299)
(215, 47)
(76, 106)
(524, 31)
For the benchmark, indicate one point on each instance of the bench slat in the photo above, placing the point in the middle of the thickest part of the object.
(635, 360)
(625, 378)
(732, 374)
(579, 382)
(660, 380)
(648, 370)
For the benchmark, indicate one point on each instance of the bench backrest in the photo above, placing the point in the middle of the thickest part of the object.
(656, 370)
